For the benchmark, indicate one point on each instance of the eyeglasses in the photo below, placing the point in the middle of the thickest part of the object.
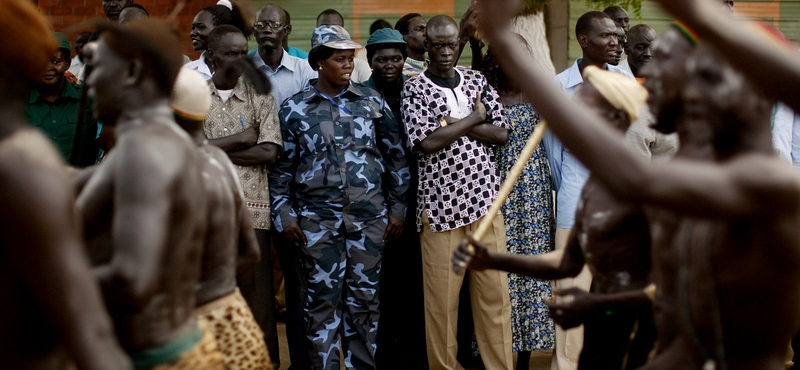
(272, 24)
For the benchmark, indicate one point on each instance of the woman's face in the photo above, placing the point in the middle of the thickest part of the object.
(337, 69)
(202, 25)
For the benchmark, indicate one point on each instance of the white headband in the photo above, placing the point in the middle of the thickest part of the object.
(226, 3)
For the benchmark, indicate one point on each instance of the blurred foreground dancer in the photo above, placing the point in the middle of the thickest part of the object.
(52, 313)
(610, 237)
(736, 245)
(144, 206)
(230, 243)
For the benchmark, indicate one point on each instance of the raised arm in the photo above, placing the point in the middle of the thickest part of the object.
(745, 45)
(696, 188)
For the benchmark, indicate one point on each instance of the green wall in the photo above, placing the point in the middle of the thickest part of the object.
(788, 20)
(304, 15)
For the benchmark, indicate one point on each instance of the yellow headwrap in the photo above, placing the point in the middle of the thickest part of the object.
(27, 42)
(621, 91)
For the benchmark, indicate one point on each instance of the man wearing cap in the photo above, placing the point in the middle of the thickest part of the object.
(244, 123)
(337, 191)
(452, 118)
(229, 243)
(53, 107)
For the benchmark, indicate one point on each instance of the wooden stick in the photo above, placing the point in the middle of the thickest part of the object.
(511, 180)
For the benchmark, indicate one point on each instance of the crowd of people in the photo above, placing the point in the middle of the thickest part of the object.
(655, 225)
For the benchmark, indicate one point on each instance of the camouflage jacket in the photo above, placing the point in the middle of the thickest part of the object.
(342, 162)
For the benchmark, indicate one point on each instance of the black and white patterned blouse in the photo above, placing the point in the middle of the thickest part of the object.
(458, 183)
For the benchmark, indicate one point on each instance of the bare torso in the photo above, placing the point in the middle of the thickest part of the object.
(29, 340)
(218, 274)
(736, 274)
(174, 164)
(614, 239)
(43, 269)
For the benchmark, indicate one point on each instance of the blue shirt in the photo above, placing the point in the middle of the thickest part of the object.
(568, 174)
(343, 161)
(290, 78)
(295, 52)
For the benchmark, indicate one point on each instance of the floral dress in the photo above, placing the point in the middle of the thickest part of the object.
(530, 228)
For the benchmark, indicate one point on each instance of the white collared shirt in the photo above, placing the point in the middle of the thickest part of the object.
(200, 66)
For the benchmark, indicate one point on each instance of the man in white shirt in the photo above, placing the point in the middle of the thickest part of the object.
(77, 60)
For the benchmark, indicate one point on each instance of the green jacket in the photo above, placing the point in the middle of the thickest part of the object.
(58, 121)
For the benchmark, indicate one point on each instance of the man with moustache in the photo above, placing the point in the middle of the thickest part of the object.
(288, 75)
(452, 117)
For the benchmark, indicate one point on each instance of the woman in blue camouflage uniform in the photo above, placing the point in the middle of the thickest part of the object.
(338, 192)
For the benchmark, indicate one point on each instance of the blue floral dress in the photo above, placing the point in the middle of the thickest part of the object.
(530, 228)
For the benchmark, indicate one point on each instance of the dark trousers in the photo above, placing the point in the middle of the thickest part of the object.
(257, 288)
(607, 339)
(294, 279)
(401, 332)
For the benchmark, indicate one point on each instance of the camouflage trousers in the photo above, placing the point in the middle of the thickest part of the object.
(341, 307)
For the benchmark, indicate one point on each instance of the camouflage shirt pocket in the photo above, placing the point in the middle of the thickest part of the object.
(366, 114)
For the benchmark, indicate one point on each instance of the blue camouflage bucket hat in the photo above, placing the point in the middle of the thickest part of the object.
(334, 37)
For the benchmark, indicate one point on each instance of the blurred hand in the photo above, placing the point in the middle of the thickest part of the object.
(497, 16)
(295, 234)
(393, 229)
(479, 108)
(573, 313)
(250, 136)
(470, 254)
(470, 22)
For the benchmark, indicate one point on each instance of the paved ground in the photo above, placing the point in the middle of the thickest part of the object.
(539, 360)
